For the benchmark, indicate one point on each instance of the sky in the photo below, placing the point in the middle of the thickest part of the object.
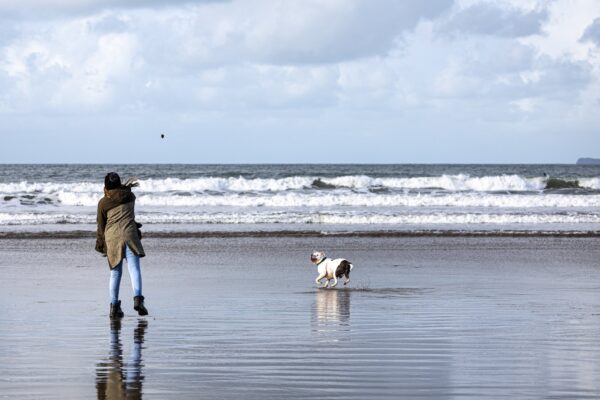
(307, 81)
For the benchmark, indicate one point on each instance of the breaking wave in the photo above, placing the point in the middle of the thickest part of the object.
(354, 199)
(450, 183)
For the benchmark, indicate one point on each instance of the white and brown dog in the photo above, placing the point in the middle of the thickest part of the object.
(331, 269)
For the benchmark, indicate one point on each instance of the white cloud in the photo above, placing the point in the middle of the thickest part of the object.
(69, 67)
(281, 32)
(592, 33)
(49, 9)
(279, 48)
(497, 19)
(325, 32)
(527, 104)
(561, 34)
(422, 66)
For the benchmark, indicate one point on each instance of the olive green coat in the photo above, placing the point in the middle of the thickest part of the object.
(117, 226)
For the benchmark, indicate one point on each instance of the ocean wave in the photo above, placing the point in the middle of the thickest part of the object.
(324, 198)
(590, 183)
(453, 193)
(453, 183)
(450, 183)
(7, 219)
(341, 219)
(328, 199)
(427, 219)
(556, 183)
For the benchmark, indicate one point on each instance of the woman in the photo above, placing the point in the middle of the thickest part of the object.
(118, 237)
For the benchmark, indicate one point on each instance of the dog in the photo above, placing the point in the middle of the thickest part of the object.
(331, 269)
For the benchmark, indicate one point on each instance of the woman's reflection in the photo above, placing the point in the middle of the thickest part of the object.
(332, 312)
(116, 379)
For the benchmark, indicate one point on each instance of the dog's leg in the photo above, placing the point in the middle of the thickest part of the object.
(318, 280)
(346, 279)
(334, 281)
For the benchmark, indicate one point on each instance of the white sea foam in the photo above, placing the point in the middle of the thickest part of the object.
(340, 219)
(353, 199)
(239, 184)
(333, 198)
(313, 218)
(49, 188)
(445, 182)
(293, 200)
(451, 183)
(513, 183)
(42, 219)
(591, 183)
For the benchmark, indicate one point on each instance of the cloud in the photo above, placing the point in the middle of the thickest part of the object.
(269, 53)
(592, 33)
(353, 66)
(495, 20)
(68, 68)
(483, 76)
(283, 32)
(334, 31)
(51, 9)
(561, 35)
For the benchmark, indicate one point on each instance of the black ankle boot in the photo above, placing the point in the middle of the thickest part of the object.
(138, 305)
(115, 310)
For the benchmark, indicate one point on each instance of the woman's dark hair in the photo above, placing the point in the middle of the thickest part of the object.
(112, 180)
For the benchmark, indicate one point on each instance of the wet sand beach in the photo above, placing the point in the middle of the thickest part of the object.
(240, 317)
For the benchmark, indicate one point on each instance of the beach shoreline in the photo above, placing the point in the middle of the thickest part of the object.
(231, 317)
(257, 233)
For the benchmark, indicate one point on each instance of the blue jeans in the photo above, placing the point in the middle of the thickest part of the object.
(133, 264)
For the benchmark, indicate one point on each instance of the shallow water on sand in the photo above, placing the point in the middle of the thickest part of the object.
(241, 318)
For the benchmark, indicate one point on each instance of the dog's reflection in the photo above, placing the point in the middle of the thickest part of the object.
(332, 312)
(116, 378)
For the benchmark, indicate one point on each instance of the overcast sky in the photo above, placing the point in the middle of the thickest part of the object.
(351, 81)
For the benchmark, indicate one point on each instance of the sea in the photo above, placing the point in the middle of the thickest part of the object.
(425, 198)
(469, 281)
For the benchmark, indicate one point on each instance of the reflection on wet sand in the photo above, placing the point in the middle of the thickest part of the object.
(115, 378)
(332, 311)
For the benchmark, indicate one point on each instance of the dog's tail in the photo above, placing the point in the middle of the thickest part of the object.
(351, 266)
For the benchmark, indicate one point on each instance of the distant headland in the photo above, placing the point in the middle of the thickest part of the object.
(586, 160)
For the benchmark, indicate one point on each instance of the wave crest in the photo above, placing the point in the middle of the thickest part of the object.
(450, 183)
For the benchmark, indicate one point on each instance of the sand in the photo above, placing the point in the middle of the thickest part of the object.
(230, 318)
